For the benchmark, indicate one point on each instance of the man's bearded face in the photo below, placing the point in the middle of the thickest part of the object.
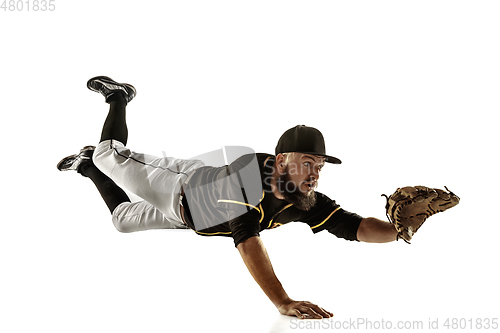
(299, 193)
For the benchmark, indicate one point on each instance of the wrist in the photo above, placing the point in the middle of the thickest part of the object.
(282, 302)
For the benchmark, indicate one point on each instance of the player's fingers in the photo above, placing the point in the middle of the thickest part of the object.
(324, 313)
(330, 314)
(319, 309)
(298, 314)
(309, 311)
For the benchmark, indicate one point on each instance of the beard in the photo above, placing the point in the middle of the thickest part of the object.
(292, 193)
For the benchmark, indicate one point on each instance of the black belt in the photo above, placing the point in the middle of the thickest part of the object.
(183, 211)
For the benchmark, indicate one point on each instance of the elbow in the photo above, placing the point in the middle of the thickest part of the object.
(361, 233)
(248, 244)
(364, 232)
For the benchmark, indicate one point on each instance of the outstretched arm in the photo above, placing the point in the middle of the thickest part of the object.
(373, 230)
(255, 256)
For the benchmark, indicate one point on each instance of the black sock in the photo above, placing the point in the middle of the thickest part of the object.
(115, 126)
(112, 194)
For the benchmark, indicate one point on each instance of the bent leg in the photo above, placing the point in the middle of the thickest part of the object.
(110, 192)
(139, 216)
(156, 180)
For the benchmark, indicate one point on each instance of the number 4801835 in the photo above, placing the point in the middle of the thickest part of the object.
(28, 5)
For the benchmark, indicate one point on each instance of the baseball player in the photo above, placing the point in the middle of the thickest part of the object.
(238, 200)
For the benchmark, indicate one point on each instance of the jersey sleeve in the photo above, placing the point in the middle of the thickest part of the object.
(245, 226)
(328, 215)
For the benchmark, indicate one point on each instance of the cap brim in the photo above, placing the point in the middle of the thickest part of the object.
(329, 159)
(333, 160)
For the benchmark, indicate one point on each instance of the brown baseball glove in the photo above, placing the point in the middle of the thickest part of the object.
(410, 206)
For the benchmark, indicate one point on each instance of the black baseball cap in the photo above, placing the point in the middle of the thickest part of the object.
(305, 140)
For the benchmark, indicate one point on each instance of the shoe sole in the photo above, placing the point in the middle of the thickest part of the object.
(74, 156)
(64, 159)
(129, 89)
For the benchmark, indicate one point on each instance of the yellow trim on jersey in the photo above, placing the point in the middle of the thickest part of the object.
(213, 233)
(261, 214)
(261, 211)
(325, 219)
(270, 222)
(243, 203)
(267, 159)
(239, 203)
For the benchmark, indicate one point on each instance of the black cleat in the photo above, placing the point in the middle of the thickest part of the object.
(108, 87)
(74, 162)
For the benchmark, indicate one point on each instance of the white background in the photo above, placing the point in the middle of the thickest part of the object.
(405, 93)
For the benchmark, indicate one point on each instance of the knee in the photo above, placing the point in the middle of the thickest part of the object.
(120, 226)
(118, 220)
(97, 160)
(102, 157)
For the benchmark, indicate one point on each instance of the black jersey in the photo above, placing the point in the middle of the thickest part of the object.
(214, 208)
